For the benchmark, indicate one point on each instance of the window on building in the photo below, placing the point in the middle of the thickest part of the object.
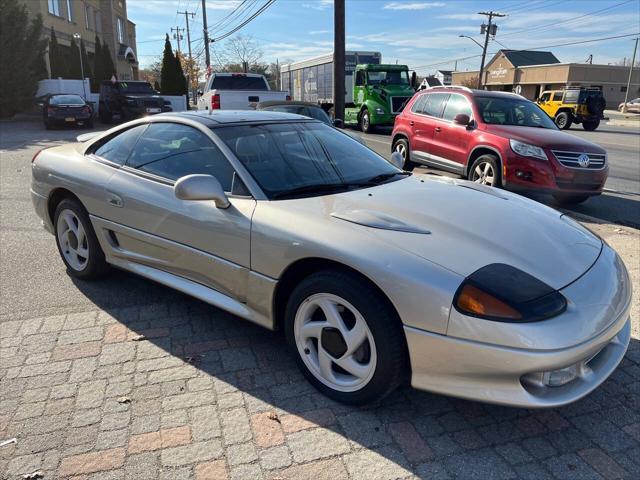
(623, 88)
(69, 10)
(121, 33)
(88, 17)
(98, 21)
(54, 7)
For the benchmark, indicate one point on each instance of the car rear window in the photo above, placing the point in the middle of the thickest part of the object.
(238, 82)
(66, 100)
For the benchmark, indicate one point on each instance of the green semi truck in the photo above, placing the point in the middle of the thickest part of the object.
(374, 92)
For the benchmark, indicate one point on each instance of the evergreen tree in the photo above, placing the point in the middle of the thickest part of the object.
(85, 61)
(167, 73)
(181, 80)
(98, 70)
(22, 54)
(73, 61)
(156, 86)
(54, 56)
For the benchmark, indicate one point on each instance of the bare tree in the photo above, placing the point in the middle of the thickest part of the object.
(243, 50)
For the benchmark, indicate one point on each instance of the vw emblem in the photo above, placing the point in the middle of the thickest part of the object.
(583, 160)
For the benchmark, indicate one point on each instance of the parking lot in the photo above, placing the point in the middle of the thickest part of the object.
(123, 378)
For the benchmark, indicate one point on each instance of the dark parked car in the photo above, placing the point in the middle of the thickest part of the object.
(129, 100)
(66, 109)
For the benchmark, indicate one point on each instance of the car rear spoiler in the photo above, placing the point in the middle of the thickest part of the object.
(85, 137)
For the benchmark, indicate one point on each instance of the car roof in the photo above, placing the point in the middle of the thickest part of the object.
(472, 92)
(221, 117)
(284, 103)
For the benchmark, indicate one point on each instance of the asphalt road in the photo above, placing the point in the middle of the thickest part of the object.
(621, 201)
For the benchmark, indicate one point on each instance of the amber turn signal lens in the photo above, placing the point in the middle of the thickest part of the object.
(476, 302)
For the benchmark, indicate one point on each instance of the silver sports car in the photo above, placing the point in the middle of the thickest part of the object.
(376, 276)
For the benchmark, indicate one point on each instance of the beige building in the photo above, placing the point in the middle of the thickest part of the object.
(105, 18)
(533, 72)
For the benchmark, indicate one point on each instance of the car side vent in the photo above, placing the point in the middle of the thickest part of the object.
(112, 238)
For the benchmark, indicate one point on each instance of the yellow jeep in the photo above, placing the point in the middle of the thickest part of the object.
(574, 105)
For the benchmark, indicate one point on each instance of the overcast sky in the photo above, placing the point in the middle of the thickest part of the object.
(418, 33)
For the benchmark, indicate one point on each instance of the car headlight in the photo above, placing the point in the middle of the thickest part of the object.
(379, 111)
(503, 293)
(527, 150)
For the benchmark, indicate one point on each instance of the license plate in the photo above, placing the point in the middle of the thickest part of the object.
(70, 119)
(153, 110)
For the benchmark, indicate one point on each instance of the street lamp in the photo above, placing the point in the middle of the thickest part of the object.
(77, 37)
(472, 39)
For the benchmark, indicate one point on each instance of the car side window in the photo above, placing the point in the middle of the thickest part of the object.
(545, 97)
(117, 149)
(418, 104)
(172, 150)
(557, 96)
(359, 78)
(434, 104)
(455, 105)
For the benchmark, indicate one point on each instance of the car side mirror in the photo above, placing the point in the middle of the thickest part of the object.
(462, 119)
(201, 187)
(397, 160)
(338, 123)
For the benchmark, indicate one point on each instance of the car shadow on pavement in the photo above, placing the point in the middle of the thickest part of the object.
(207, 360)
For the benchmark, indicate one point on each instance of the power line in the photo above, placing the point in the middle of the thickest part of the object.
(546, 27)
(234, 30)
(234, 13)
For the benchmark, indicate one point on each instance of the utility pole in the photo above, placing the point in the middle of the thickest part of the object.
(626, 94)
(487, 30)
(207, 59)
(190, 69)
(338, 60)
(178, 36)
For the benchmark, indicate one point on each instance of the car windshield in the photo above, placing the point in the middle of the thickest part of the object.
(395, 77)
(142, 87)
(66, 100)
(513, 111)
(305, 158)
(308, 111)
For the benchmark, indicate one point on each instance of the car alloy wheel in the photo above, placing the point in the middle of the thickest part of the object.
(484, 174)
(334, 342)
(73, 240)
(401, 148)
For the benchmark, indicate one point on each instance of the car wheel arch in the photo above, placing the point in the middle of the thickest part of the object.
(302, 268)
(479, 151)
(55, 197)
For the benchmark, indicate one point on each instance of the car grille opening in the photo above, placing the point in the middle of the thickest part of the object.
(572, 159)
(397, 102)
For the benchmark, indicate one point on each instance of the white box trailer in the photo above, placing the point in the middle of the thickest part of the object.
(311, 80)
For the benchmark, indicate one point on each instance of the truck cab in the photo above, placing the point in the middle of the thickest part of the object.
(379, 93)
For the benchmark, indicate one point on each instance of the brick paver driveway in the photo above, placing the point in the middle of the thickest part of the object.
(172, 388)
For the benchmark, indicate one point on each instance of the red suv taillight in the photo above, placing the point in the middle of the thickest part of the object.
(215, 102)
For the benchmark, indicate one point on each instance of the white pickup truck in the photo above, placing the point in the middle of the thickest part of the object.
(237, 91)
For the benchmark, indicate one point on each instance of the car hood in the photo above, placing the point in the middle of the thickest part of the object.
(546, 138)
(463, 226)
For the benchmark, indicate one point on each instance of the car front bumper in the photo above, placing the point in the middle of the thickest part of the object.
(510, 363)
(40, 206)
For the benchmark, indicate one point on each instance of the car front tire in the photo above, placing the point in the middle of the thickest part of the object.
(77, 242)
(563, 120)
(347, 340)
(485, 170)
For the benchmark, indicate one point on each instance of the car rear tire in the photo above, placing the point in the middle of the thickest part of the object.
(485, 170)
(563, 120)
(77, 242)
(347, 340)
(365, 121)
(569, 199)
(591, 125)
(402, 147)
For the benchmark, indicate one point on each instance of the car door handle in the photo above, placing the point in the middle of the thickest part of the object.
(438, 129)
(114, 200)
(411, 123)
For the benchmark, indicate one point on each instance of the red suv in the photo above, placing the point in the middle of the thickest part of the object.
(499, 139)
